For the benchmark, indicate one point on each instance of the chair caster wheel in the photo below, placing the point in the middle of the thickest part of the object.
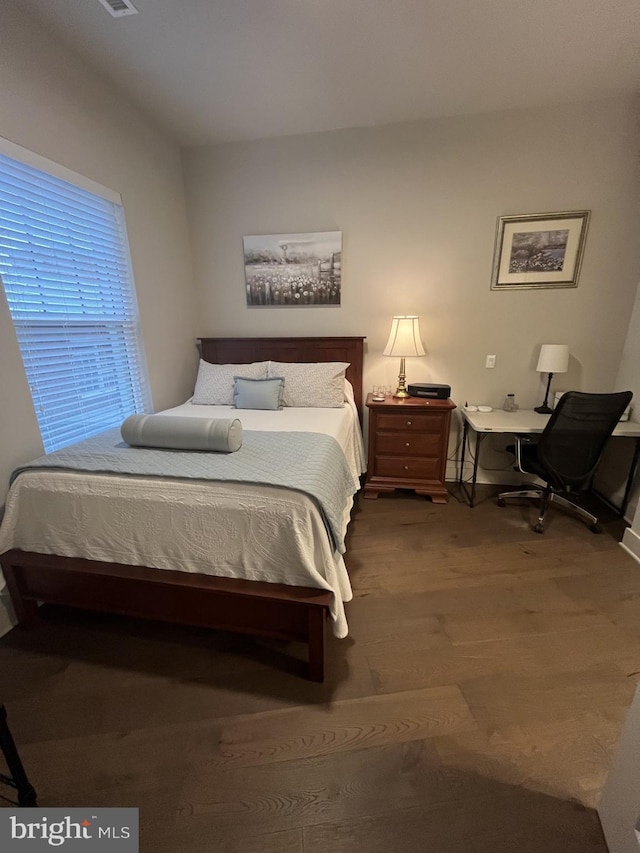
(501, 502)
(595, 528)
(539, 528)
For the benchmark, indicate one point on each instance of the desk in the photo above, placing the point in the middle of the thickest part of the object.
(529, 422)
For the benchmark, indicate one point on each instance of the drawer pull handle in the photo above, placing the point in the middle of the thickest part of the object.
(406, 467)
(408, 423)
(407, 444)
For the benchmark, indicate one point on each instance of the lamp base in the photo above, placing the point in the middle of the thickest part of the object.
(401, 391)
(544, 408)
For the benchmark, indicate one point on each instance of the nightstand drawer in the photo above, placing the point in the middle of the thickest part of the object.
(421, 422)
(409, 468)
(408, 443)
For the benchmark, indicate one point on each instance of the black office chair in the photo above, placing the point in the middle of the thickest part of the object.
(17, 777)
(568, 451)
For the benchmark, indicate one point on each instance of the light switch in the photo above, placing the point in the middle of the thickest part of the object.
(491, 361)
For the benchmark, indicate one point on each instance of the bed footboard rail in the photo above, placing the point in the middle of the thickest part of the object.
(275, 611)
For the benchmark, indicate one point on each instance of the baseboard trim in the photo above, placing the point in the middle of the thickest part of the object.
(631, 543)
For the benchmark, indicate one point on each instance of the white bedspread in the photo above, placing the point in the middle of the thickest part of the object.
(226, 529)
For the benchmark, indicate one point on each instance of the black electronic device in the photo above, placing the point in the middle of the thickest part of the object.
(431, 392)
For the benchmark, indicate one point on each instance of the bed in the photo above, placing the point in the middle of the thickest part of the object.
(284, 584)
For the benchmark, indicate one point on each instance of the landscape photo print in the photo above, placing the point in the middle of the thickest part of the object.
(293, 269)
(539, 250)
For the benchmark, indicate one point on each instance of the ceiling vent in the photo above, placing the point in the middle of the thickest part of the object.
(119, 8)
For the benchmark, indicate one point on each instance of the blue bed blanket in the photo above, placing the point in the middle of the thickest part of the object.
(307, 462)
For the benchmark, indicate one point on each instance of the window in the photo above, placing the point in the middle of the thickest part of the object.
(64, 264)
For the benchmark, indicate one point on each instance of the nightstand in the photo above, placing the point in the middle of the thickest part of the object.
(408, 441)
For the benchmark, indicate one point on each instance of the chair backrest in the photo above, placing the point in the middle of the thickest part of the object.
(575, 436)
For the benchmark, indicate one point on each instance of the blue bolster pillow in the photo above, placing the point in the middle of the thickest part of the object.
(223, 435)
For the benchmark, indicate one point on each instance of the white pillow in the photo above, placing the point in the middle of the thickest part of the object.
(319, 384)
(214, 384)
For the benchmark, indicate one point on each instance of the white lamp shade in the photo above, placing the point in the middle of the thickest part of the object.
(404, 338)
(554, 358)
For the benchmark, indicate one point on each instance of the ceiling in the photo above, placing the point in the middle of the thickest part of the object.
(210, 71)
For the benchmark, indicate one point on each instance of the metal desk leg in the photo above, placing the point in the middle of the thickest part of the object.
(480, 437)
(465, 433)
(18, 778)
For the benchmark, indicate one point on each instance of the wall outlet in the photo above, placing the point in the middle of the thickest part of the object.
(491, 361)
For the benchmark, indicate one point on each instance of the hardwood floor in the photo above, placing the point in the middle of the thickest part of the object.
(474, 706)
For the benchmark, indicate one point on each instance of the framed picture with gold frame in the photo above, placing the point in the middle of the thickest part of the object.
(539, 250)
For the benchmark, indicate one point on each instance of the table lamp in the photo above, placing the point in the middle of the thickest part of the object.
(404, 341)
(554, 358)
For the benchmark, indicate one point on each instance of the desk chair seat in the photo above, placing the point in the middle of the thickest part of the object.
(567, 452)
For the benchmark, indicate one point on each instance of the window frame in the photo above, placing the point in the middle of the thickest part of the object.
(128, 330)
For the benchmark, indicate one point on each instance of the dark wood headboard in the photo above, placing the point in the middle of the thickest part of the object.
(246, 350)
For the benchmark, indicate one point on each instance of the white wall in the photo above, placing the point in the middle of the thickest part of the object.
(417, 204)
(619, 806)
(54, 105)
(629, 379)
(631, 536)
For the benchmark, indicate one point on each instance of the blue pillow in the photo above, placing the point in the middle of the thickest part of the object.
(258, 393)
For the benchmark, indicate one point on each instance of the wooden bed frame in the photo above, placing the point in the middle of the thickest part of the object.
(269, 610)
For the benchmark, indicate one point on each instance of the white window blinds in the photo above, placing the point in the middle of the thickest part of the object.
(64, 264)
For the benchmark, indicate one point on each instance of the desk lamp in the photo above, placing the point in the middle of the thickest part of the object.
(554, 358)
(404, 341)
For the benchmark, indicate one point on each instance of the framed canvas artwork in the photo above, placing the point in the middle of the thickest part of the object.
(293, 269)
